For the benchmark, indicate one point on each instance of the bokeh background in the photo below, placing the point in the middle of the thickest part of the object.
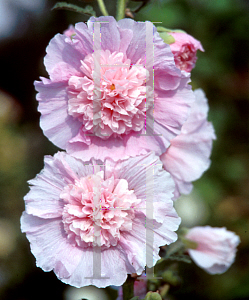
(220, 198)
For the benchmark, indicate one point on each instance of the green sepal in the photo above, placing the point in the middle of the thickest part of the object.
(167, 38)
(189, 244)
(163, 29)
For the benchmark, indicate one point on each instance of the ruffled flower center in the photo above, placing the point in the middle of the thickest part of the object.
(112, 102)
(185, 59)
(96, 211)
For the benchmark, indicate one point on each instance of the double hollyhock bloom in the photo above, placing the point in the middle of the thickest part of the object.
(188, 155)
(132, 118)
(72, 206)
(216, 248)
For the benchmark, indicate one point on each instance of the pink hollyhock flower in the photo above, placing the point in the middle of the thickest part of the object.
(184, 49)
(188, 155)
(70, 208)
(100, 103)
(216, 248)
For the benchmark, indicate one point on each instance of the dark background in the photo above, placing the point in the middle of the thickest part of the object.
(221, 196)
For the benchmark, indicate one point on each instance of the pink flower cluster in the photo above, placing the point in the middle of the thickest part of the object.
(117, 106)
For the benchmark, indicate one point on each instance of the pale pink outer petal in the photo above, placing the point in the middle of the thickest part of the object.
(62, 59)
(172, 108)
(43, 198)
(187, 158)
(113, 267)
(182, 187)
(83, 40)
(71, 265)
(55, 121)
(49, 245)
(110, 36)
(216, 248)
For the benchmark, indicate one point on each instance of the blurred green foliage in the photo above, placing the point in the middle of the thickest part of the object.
(221, 71)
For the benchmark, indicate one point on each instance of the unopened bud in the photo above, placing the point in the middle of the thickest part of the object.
(152, 296)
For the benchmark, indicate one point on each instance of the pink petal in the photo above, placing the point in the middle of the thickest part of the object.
(113, 266)
(43, 199)
(188, 155)
(50, 246)
(184, 38)
(62, 57)
(52, 99)
(110, 36)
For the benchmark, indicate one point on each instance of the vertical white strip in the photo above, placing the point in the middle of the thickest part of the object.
(149, 221)
(149, 77)
(96, 77)
(97, 168)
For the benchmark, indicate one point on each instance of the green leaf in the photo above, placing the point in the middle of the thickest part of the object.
(88, 10)
(135, 298)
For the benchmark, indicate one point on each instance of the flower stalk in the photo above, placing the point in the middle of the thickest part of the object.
(121, 9)
(102, 7)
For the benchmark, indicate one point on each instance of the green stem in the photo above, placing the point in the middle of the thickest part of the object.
(128, 288)
(102, 7)
(121, 9)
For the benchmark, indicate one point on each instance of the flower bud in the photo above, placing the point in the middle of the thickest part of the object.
(183, 47)
(216, 248)
(152, 296)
